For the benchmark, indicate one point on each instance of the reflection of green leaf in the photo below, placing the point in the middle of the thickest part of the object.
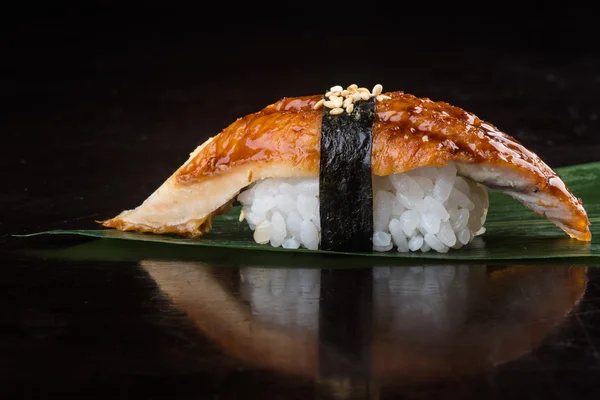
(513, 232)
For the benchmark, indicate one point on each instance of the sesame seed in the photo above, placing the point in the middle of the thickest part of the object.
(377, 89)
(339, 99)
(425, 138)
(249, 175)
(242, 215)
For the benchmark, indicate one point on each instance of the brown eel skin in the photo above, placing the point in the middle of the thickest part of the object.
(282, 140)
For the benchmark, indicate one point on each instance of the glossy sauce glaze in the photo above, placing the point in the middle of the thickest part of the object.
(408, 133)
(288, 130)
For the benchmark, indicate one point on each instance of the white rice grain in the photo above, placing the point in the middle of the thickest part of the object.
(426, 209)
(262, 234)
(309, 235)
(278, 229)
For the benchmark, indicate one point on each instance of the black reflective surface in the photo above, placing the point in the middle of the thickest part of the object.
(80, 322)
(95, 121)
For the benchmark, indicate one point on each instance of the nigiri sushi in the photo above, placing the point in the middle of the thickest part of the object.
(356, 169)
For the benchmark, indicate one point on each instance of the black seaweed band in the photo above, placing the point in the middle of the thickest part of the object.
(345, 184)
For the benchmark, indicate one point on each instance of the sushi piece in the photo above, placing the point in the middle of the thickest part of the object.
(428, 162)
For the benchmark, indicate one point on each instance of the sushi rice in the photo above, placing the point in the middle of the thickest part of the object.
(424, 209)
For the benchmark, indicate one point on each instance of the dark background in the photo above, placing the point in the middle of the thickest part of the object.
(87, 93)
(100, 105)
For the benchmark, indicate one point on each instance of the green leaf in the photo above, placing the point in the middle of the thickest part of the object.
(513, 231)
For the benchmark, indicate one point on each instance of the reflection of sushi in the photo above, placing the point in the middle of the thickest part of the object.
(356, 169)
(415, 325)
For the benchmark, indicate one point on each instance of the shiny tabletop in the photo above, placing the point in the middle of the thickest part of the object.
(98, 119)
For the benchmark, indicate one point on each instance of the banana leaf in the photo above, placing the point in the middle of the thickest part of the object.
(513, 232)
(128, 251)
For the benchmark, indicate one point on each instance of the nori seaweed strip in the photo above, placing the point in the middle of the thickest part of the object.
(345, 184)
